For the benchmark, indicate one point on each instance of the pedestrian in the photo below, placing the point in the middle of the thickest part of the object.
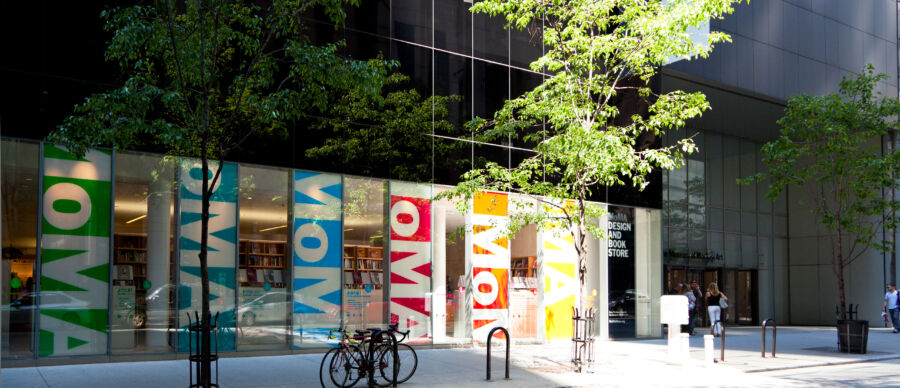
(698, 296)
(891, 298)
(692, 307)
(714, 298)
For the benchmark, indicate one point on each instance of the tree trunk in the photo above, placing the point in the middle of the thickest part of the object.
(205, 349)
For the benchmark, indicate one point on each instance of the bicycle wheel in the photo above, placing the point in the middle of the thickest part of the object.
(407, 361)
(345, 366)
(323, 370)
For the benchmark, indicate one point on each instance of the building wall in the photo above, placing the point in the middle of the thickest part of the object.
(782, 48)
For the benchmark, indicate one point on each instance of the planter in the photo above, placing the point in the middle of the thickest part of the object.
(853, 335)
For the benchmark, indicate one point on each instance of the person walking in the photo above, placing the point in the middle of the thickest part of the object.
(692, 308)
(891, 299)
(714, 308)
(698, 296)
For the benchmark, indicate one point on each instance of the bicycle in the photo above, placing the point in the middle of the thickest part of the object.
(407, 359)
(347, 363)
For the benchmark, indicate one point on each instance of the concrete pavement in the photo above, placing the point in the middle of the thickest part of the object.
(618, 363)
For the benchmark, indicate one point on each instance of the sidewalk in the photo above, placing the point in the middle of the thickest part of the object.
(618, 363)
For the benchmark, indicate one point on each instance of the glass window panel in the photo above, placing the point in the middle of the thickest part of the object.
(143, 223)
(522, 82)
(78, 206)
(732, 250)
(665, 185)
(696, 183)
(368, 16)
(415, 62)
(264, 299)
(714, 217)
(748, 168)
(223, 253)
(716, 249)
(523, 286)
(453, 77)
(454, 323)
(749, 252)
(364, 301)
(697, 244)
(763, 203)
(411, 302)
(678, 184)
(453, 29)
(678, 244)
(748, 222)
(491, 39)
(457, 160)
(412, 20)
(732, 221)
(526, 45)
(19, 178)
(364, 46)
(697, 216)
(317, 257)
(731, 172)
(714, 169)
(677, 214)
(491, 90)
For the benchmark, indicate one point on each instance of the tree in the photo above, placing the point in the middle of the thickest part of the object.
(202, 76)
(830, 146)
(603, 115)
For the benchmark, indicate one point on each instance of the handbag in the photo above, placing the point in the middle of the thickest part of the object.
(723, 304)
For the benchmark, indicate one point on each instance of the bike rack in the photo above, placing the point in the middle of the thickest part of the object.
(582, 339)
(712, 330)
(370, 364)
(491, 336)
(774, 336)
(196, 327)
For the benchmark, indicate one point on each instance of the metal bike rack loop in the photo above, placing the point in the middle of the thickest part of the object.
(370, 364)
(508, 340)
(774, 336)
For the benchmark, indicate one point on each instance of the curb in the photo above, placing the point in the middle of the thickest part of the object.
(874, 359)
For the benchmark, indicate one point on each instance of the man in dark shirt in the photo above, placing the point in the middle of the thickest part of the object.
(698, 307)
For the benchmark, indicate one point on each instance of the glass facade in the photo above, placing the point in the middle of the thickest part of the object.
(717, 230)
(292, 255)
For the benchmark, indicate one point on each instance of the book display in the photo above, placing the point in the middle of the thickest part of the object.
(130, 266)
(523, 267)
(261, 262)
(363, 265)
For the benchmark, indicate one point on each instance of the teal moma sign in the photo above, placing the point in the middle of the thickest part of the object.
(222, 244)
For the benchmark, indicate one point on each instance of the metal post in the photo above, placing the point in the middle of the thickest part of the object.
(508, 340)
(774, 334)
(712, 329)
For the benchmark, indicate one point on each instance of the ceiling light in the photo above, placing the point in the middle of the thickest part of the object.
(273, 228)
(138, 218)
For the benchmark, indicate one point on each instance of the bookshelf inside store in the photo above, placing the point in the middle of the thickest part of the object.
(261, 262)
(523, 272)
(363, 265)
(130, 261)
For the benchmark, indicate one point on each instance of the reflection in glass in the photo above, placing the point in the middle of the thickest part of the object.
(452, 319)
(412, 20)
(525, 45)
(264, 301)
(731, 172)
(453, 77)
(491, 39)
(453, 29)
(143, 223)
(19, 179)
(364, 266)
(523, 302)
(491, 90)
(748, 168)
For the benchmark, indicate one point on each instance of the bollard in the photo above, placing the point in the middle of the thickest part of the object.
(508, 340)
(685, 349)
(674, 331)
(774, 336)
(712, 328)
(708, 350)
